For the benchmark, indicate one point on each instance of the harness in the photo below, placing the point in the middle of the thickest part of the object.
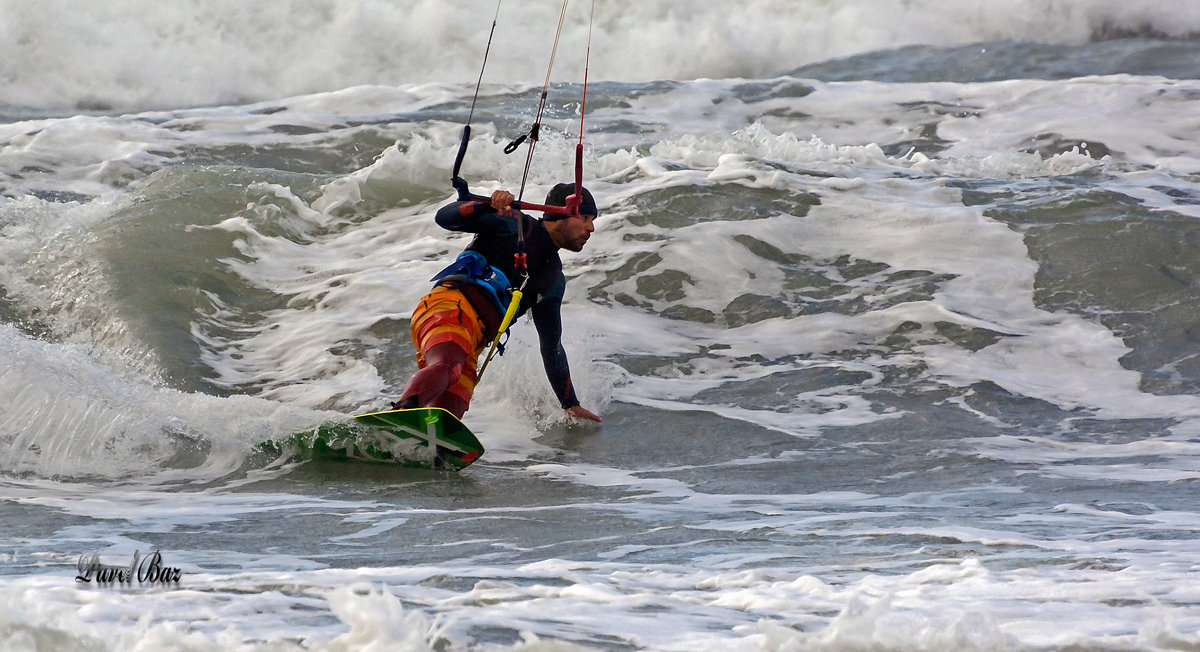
(471, 267)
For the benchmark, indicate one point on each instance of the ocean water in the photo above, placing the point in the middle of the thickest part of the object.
(892, 314)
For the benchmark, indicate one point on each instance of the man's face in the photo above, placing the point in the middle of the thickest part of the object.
(573, 232)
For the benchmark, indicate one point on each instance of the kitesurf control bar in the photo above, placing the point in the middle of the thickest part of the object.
(572, 207)
(520, 205)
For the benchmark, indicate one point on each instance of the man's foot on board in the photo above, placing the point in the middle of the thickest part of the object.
(407, 404)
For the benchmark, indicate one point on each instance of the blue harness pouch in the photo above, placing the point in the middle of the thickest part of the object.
(472, 267)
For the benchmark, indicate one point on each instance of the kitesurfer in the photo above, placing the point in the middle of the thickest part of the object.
(454, 322)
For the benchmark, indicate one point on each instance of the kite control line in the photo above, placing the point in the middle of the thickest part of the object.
(572, 202)
(456, 179)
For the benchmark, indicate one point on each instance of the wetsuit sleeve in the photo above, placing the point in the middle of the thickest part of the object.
(473, 217)
(547, 317)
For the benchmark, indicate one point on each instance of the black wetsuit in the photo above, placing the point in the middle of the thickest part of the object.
(496, 240)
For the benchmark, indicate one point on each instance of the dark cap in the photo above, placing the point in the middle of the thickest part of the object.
(558, 197)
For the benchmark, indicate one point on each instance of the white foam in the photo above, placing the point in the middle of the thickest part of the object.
(378, 621)
(222, 51)
(708, 570)
(749, 598)
(63, 413)
(910, 224)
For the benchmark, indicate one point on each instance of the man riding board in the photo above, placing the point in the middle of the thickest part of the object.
(454, 322)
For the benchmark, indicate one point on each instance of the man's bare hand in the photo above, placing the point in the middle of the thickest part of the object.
(502, 201)
(579, 412)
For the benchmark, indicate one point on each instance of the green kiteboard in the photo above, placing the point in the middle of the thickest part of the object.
(430, 438)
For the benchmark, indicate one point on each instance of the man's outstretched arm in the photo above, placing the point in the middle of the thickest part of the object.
(547, 319)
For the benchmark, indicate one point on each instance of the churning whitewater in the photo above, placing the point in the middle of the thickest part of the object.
(891, 312)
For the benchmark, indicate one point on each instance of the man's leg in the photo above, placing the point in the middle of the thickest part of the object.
(444, 363)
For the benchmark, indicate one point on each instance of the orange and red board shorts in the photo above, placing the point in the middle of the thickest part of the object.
(445, 315)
